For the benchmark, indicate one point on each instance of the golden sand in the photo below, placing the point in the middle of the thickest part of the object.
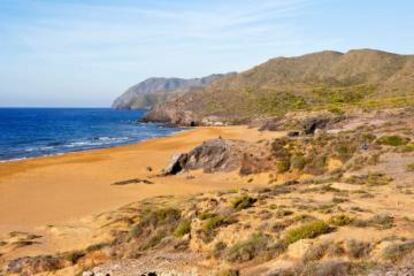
(59, 189)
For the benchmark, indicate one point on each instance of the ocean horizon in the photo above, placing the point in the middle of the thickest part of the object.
(28, 132)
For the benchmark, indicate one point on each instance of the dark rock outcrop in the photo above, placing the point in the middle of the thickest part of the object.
(310, 125)
(221, 155)
(213, 155)
(172, 116)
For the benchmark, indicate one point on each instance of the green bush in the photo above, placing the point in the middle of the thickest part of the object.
(393, 140)
(216, 221)
(382, 221)
(184, 227)
(243, 202)
(258, 244)
(152, 219)
(136, 231)
(344, 151)
(213, 223)
(298, 162)
(206, 215)
(315, 253)
(406, 148)
(410, 167)
(316, 163)
(340, 220)
(282, 154)
(357, 249)
(307, 230)
(161, 216)
(395, 252)
(154, 239)
(208, 230)
(336, 110)
(283, 166)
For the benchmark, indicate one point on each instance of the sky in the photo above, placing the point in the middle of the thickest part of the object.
(80, 53)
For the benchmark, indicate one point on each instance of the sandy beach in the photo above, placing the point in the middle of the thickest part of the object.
(62, 190)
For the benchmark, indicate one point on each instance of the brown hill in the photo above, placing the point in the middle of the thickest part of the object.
(159, 90)
(323, 80)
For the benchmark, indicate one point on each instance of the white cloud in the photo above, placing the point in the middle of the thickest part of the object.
(113, 46)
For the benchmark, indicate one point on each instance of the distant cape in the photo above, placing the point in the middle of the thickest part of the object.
(155, 91)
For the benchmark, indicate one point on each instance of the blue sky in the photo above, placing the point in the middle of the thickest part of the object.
(85, 53)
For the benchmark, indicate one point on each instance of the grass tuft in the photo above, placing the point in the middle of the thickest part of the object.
(395, 252)
(392, 140)
(340, 220)
(257, 245)
(307, 230)
(243, 202)
(184, 227)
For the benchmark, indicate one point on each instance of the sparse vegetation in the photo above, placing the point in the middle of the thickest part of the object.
(393, 140)
(298, 162)
(357, 249)
(308, 230)
(258, 245)
(340, 220)
(371, 179)
(214, 222)
(210, 225)
(315, 253)
(152, 219)
(397, 251)
(219, 248)
(406, 148)
(206, 215)
(228, 272)
(184, 227)
(381, 221)
(283, 213)
(243, 202)
(338, 200)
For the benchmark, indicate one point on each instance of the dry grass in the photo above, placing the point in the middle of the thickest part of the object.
(308, 230)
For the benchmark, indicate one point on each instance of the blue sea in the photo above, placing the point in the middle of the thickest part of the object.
(32, 132)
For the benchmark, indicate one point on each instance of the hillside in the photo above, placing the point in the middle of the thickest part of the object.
(158, 90)
(328, 79)
(333, 201)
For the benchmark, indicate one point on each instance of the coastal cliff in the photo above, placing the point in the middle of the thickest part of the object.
(159, 90)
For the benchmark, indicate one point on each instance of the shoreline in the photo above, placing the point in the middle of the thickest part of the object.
(91, 149)
(57, 189)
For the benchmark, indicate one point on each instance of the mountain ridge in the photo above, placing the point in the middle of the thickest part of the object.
(327, 79)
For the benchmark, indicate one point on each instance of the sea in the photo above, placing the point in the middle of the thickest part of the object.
(33, 132)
